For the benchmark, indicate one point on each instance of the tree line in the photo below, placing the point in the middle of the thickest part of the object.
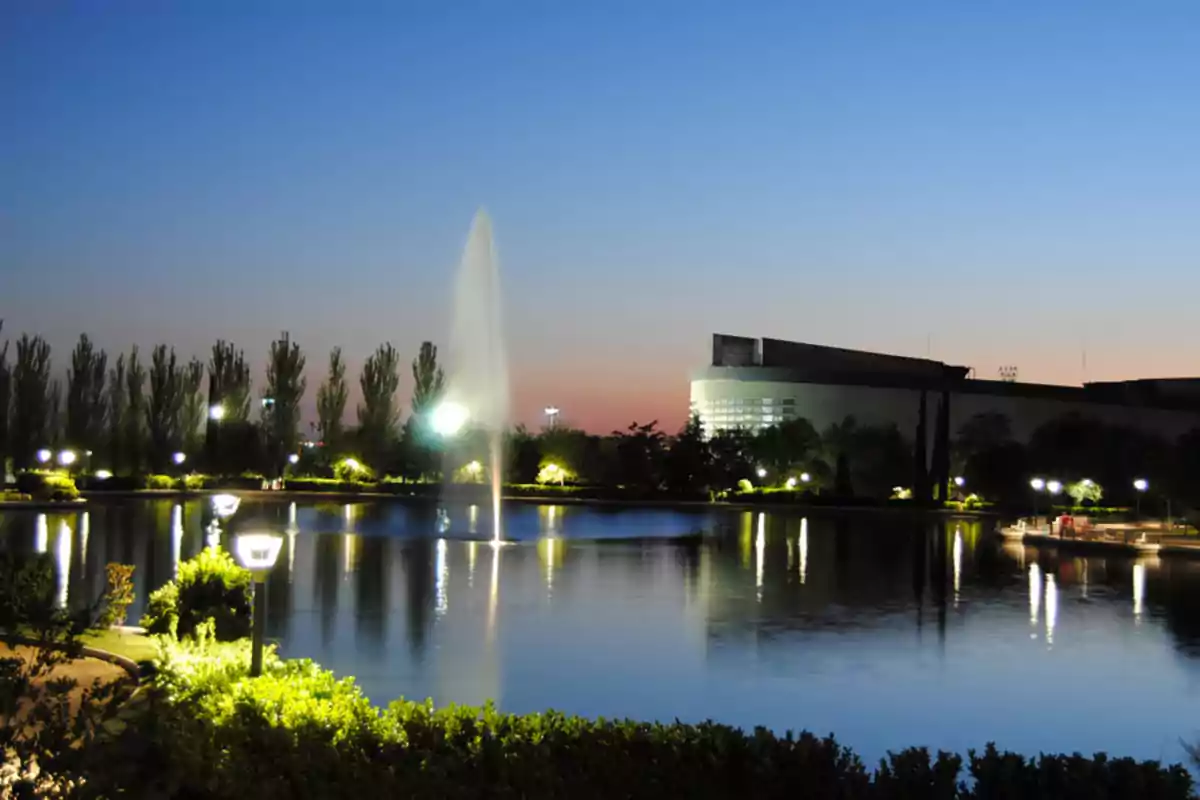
(132, 415)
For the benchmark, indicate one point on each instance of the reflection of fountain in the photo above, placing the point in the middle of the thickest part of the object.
(176, 538)
(85, 530)
(41, 534)
(62, 552)
(1035, 594)
(441, 575)
(493, 595)
(1139, 589)
(760, 552)
(957, 553)
(476, 393)
(1051, 607)
(803, 550)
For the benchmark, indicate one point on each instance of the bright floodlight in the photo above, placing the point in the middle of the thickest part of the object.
(103, 474)
(1141, 484)
(67, 458)
(805, 477)
(352, 464)
(959, 481)
(225, 505)
(257, 551)
(1037, 484)
(44, 455)
(216, 412)
(449, 418)
(179, 458)
(1053, 487)
(791, 483)
(294, 458)
(762, 472)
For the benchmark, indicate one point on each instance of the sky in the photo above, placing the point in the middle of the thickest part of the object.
(984, 183)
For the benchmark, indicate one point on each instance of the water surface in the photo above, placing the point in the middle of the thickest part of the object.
(888, 632)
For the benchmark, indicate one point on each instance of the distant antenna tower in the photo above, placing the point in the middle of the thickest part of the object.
(1008, 374)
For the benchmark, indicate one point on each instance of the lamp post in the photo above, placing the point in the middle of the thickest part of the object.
(257, 552)
(1140, 486)
(1038, 485)
(552, 413)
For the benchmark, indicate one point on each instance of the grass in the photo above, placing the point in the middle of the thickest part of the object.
(134, 646)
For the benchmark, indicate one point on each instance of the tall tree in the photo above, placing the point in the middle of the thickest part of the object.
(428, 379)
(30, 402)
(5, 403)
(118, 412)
(86, 402)
(54, 416)
(689, 460)
(286, 385)
(193, 412)
(377, 413)
(229, 395)
(165, 407)
(331, 402)
(133, 435)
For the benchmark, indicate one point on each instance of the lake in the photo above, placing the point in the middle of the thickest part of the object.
(886, 631)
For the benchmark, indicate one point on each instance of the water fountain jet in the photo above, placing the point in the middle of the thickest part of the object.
(476, 393)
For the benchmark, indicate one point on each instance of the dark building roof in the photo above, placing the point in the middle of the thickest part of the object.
(745, 358)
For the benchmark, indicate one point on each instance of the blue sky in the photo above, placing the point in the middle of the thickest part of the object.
(989, 183)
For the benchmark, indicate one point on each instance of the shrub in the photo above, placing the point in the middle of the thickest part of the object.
(47, 486)
(298, 731)
(160, 482)
(193, 482)
(117, 596)
(27, 587)
(210, 586)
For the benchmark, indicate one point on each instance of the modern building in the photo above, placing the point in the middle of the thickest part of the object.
(754, 383)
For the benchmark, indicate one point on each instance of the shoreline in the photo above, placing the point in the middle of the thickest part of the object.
(550, 499)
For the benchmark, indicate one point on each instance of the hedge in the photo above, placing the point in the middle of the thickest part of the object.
(298, 731)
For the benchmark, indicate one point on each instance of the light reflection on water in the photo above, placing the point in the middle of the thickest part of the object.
(886, 631)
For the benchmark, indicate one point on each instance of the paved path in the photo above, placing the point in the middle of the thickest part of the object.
(83, 670)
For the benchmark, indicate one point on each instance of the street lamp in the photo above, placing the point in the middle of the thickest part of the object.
(960, 481)
(1140, 485)
(1053, 487)
(762, 472)
(257, 552)
(216, 412)
(44, 455)
(805, 477)
(551, 416)
(294, 459)
(179, 458)
(67, 457)
(791, 483)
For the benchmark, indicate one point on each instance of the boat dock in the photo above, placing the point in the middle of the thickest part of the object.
(1148, 539)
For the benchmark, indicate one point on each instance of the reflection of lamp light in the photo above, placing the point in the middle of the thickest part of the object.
(257, 552)
(760, 552)
(225, 505)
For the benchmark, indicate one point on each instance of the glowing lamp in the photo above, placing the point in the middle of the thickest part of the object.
(67, 457)
(44, 455)
(449, 418)
(179, 458)
(257, 551)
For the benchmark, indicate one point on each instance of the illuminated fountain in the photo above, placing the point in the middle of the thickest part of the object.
(476, 393)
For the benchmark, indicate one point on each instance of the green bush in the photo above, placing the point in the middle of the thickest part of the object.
(298, 731)
(49, 485)
(161, 482)
(210, 586)
(193, 482)
(27, 587)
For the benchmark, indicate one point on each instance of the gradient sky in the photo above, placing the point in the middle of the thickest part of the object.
(985, 182)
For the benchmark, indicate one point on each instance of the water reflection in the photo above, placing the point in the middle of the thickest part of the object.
(601, 617)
